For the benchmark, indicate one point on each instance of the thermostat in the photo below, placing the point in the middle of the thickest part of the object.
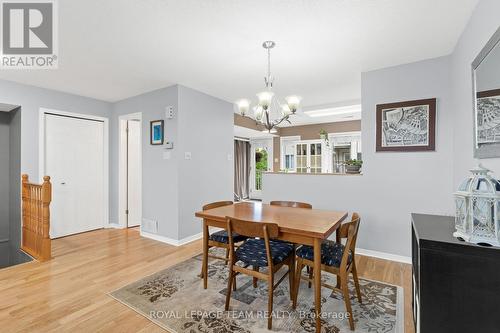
(169, 145)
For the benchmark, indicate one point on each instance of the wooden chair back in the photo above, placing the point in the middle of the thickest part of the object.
(252, 229)
(349, 230)
(293, 204)
(216, 204)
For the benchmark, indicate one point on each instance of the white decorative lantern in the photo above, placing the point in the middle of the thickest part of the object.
(477, 203)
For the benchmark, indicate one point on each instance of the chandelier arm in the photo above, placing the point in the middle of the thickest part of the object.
(277, 122)
(269, 126)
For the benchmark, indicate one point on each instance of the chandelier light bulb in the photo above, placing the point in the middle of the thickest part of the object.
(285, 109)
(293, 102)
(265, 99)
(259, 112)
(243, 106)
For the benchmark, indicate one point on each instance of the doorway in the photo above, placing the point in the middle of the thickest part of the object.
(130, 170)
(261, 161)
(73, 151)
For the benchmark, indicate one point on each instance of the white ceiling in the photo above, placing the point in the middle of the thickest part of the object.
(115, 49)
(328, 113)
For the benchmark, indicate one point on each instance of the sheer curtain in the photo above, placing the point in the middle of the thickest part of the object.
(241, 169)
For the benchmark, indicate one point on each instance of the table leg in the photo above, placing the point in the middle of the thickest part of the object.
(317, 282)
(205, 254)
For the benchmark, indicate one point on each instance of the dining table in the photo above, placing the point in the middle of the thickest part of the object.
(296, 225)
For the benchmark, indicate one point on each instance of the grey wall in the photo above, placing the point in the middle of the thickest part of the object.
(422, 182)
(174, 188)
(482, 25)
(393, 184)
(160, 177)
(16, 256)
(202, 116)
(206, 131)
(4, 188)
(23, 156)
(31, 99)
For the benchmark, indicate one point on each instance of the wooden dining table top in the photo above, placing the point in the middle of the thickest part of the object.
(314, 223)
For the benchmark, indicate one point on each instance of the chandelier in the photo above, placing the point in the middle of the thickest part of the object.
(270, 111)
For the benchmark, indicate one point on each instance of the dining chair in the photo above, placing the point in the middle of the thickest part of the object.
(293, 204)
(336, 258)
(217, 239)
(259, 252)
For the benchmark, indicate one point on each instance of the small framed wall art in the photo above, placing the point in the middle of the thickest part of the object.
(407, 126)
(157, 132)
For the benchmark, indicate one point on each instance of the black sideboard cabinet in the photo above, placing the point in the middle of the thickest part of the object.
(456, 285)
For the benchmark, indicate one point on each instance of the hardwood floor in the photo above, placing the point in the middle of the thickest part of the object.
(69, 293)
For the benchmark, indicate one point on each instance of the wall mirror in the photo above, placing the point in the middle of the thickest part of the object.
(486, 90)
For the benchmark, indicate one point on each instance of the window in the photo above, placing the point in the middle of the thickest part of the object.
(302, 157)
(309, 157)
(261, 157)
(315, 158)
(288, 152)
(290, 162)
(319, 156)
(344, 147)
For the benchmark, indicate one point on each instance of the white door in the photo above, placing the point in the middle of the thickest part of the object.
(74, 158)
(134, 196)
(261, 161)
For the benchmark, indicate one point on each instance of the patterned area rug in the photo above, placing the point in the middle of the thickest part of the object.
(175, 300)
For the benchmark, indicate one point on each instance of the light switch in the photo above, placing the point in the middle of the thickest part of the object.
(229, 157)
(169, 112)
(187, 155)
(166, 155)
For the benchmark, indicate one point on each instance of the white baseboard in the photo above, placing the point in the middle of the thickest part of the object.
(384, 255)
(114, 226)
(368, 253)
(190, 239)
(171, 241)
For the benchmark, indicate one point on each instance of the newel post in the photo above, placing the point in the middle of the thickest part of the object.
(46, 199)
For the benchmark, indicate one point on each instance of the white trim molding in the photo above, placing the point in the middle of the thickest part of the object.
(122, 160)
(384, 255)
(171, 241)
(112, 225)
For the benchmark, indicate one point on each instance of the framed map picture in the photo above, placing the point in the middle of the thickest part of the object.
(406, 126)
(157, 129)
(488, 117)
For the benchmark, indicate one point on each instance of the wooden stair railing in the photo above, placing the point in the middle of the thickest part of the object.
(36, 218)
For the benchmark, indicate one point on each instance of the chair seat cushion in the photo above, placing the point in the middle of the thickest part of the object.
(253, 252)
(222, 237)
(331, 253)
